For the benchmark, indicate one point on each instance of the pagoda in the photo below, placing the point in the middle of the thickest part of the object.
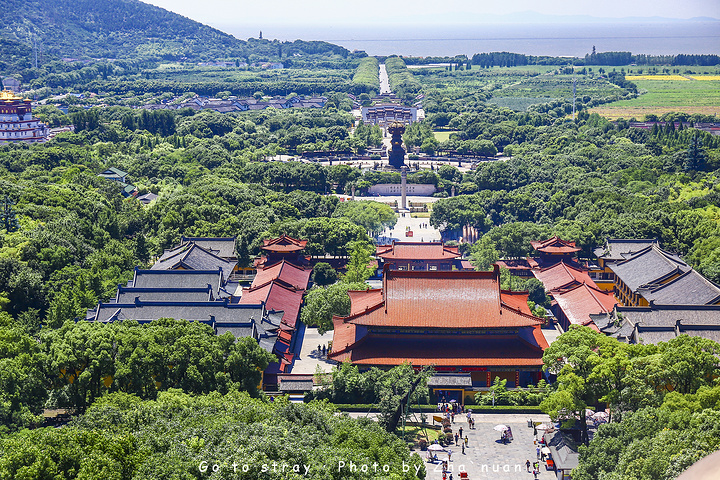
(16, 121)
(282, 248)
(555, 250)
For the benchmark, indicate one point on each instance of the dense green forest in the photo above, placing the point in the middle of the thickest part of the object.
(183, 437)
(153, 401)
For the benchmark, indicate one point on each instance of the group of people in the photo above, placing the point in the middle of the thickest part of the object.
(506, 436)
(535, 467)
(322, 350)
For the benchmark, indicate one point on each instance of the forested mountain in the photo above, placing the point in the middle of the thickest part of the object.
(126, 29)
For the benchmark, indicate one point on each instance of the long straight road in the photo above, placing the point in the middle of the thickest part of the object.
(384, 80)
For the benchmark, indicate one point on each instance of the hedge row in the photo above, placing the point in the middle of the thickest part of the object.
(361, 407)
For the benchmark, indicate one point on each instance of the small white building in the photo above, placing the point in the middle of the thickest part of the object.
(394, 189)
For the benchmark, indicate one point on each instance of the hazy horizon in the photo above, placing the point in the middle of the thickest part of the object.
(321, 14)
(549, 39)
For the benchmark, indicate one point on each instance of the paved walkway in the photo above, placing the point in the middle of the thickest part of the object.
(309, 358)
(486, 457)
(426, 233)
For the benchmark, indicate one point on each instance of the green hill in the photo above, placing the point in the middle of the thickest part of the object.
(117, 29)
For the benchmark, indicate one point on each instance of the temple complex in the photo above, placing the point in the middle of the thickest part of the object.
(459, 321)
(16, 121)
(280, 284)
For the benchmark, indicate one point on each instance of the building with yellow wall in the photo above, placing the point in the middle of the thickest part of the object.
(653, 275)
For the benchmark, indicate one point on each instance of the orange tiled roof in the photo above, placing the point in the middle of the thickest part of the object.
(555, 245)
(361, 300)
(417, 251)
(578, 302)
(516, 300)
(284, 244)
(459, 299)
(560, 275)
(276, 297)
(285, 272)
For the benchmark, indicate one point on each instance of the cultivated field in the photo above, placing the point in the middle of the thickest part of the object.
(667, 93)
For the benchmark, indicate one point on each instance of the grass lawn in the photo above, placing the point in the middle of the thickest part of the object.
(414, 433)
(444, 135)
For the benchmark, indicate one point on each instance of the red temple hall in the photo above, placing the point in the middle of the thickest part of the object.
(458, 321)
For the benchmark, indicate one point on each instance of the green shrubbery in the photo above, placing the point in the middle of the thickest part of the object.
(531, 396)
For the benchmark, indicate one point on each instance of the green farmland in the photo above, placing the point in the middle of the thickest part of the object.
(665, 95)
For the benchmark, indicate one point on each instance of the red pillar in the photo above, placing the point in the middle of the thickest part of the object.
(489, 378)
(517, 378)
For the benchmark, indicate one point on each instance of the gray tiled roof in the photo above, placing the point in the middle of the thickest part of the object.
(671, 314)
(690, 288)
(221, 246)
(238, 331)
(194, 257)
(219, 312)
(564, 451)
(147, 198)
(654, 335)
(660, 323)
(177, 278)
(647, 267)
(620, 249)
(128, 294)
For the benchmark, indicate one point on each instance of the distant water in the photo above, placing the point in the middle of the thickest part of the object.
(541, 39)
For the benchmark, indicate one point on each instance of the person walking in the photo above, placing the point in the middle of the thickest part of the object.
(456, 438)
(466, 440)
(462, 444)
(527, 465)
(537, 451)
(460, 430)
(449, 455)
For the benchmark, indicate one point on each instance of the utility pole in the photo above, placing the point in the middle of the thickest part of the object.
(35, 48)
(574, 92)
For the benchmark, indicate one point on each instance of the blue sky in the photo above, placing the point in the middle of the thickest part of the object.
(221, 13)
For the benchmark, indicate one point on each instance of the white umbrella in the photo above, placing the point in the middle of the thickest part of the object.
(500, 428)
(544, 426)
(436, 448)
(601, 417)
(589, 413)
(545, 450)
